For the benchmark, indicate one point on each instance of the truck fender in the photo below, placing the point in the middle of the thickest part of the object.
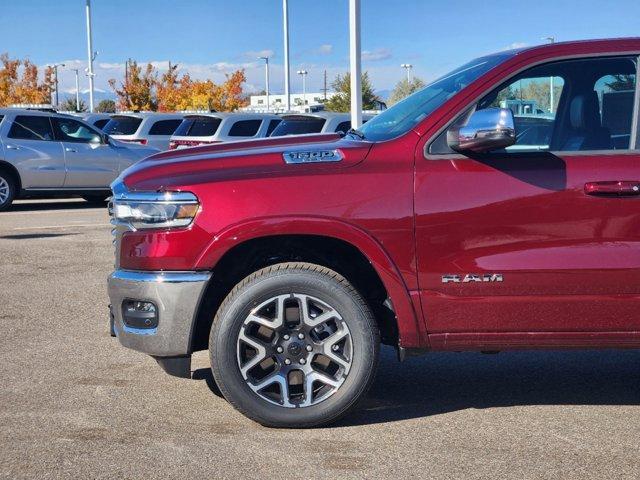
(407, 320)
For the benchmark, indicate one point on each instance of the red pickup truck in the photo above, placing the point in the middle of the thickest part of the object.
(451, 221)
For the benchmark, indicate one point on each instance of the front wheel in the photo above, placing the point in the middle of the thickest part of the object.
(294, 345)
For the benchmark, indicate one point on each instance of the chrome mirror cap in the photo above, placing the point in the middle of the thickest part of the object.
(486, 130)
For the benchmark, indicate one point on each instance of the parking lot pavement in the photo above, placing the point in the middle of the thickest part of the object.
(73, 403)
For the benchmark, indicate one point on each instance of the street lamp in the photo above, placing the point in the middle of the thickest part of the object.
(91, 55)
(285, 21)
(551, 99)
(55, 72)
(407, 67)
(77, 90)
(266, 75)
(304, 74)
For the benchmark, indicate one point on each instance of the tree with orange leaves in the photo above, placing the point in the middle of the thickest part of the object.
(24, 87)
(169, 91)
(137, 92)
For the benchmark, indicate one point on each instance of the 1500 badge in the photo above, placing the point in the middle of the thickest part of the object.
(312, 156)
(472, 277)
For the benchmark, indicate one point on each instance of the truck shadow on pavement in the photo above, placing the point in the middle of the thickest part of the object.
(53, 205)
(445, 382)
(438, 383)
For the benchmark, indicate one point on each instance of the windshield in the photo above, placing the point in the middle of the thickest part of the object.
(406, 114)
(122, 125)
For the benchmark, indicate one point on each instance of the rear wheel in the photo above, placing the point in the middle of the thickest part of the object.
(294, 345)
(7, 190)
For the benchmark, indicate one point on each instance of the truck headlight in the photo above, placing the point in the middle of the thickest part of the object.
(143, 210)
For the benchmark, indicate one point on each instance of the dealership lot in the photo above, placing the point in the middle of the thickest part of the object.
(74, 403)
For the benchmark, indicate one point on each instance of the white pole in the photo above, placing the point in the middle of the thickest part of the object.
(90, 55)
(287, 93)
(304, 89)
(77, 91)
(266, 66)
(355, 63)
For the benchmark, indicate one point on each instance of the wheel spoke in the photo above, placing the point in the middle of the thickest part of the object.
(261, 353)
(311, 321)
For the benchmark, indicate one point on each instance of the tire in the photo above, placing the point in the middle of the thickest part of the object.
(332, 385)
(96, 199)
(7, 190)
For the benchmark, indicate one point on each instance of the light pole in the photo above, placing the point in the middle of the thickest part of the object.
(55, 71)
(77, 90)
(304, 74)
(287, 93)
(551, 99)
(407, 67)
(355, 63)
(266, 79)
(91, 55)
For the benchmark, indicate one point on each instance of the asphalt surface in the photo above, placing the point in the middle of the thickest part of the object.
(75, 404)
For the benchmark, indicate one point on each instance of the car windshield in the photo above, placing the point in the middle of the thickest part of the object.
(406, 114)
(122, 125)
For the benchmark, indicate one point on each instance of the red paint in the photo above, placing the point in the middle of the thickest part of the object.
(569, 251)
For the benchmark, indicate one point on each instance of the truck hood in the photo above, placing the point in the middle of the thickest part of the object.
(177, 169)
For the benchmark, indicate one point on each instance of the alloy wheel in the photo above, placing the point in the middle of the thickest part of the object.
(294, 350)
(4, 190)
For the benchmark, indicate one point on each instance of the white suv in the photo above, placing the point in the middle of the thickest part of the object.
(216, 127)
(146, 128)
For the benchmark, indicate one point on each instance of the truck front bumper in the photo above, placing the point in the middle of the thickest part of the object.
(176, 297)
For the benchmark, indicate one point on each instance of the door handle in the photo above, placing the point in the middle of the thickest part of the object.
(69, 149)
(13, 147)
(615, 188)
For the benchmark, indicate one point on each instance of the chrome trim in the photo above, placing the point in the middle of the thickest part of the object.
(122, 193)
(635, 121)
(311, 156)
(161, 277)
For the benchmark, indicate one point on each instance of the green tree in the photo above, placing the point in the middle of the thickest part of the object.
(341, 101)
(69, 105)
(106, 106)
(404, 88)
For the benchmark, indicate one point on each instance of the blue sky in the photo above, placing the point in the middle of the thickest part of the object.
(210, 37)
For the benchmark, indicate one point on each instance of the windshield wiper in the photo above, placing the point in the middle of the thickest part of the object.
(356, 133)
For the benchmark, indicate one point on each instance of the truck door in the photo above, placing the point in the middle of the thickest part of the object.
(543, 236)
(31, 147)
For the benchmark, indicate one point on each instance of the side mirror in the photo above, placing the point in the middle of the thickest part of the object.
(105, 139)
(486, 130)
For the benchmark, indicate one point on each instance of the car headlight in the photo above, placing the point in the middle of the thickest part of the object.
(143, 210)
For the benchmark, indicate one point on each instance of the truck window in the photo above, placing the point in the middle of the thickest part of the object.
(27, 127)
(69, 130)
(572, 105)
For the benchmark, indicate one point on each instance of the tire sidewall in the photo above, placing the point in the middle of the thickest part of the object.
(354, 312)
(12, 190)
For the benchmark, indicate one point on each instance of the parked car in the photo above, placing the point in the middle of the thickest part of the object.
(216, 127)
(98, 120)
(43, 153)
(429, 228)
(146, 128)
(316, 122)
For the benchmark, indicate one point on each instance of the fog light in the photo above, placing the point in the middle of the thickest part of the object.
(137, 314)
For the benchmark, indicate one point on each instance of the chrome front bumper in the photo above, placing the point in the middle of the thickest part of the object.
(176, 295)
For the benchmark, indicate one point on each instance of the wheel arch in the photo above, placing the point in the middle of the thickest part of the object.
(314, 240)
(6, 166)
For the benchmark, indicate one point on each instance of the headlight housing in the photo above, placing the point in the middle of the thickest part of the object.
(144, 210)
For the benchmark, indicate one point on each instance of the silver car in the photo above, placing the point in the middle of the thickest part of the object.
(50, 154)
